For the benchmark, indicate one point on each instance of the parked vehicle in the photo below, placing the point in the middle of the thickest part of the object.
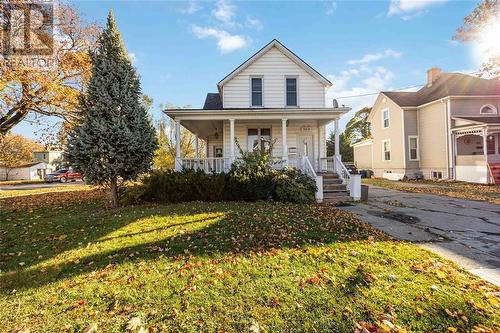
(63, 175)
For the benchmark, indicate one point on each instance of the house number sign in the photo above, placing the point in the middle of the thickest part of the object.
(306, 129)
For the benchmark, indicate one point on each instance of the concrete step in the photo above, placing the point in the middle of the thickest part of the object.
(328, 175)
(333, 187)
(337, 201)
(332, 181)
(335, 194)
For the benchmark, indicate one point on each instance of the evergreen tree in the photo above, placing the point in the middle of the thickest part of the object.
(115, 140)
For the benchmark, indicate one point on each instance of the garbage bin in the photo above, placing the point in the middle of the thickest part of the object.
(364, 192)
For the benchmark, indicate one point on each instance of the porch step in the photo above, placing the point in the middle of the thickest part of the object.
(334, 191)
(495, 172)
(337, 201)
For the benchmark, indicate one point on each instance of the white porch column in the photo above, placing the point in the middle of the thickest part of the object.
(178, 163)
(485, 151)
(337, 137)
(231, 139)
(196, 147)
(284, 154)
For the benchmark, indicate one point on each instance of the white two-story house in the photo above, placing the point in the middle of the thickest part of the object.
(274, 96)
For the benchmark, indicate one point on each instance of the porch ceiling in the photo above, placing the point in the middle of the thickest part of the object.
(203, 128)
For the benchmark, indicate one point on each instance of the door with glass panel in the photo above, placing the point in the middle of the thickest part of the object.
(305, 148)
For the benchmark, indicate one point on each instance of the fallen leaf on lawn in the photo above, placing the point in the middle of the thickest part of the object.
(255, 327)
(134, 323)
(452, 329)
(91, 328)
(420, 311)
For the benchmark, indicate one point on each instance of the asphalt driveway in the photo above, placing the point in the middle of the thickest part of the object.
(38, 185)
(465, 231)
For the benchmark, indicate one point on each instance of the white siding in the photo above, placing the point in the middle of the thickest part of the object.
(295, 129)
(273, 66)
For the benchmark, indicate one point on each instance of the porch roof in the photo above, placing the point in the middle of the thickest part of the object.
(207, 122)
(261, 113)
(490, 120)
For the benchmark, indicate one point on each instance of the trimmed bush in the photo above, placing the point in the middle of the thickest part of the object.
(251, 178)
(293, 186)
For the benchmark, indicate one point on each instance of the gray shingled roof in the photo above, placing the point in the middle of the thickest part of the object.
(212, 102)
(448, 84)
(483, 119)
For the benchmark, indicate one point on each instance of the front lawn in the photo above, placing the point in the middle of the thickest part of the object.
(222, 267)
(462, 190)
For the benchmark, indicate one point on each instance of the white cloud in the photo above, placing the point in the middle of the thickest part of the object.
(253, 23)
(371, 57)
(224, 12)
(360, 85)
(332, 6)
(410, 8)
(191, 8)
(133, 58)
(225, 41)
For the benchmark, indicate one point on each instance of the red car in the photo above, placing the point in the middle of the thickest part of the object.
(63, 176)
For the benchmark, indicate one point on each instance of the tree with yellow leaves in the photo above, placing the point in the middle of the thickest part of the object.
(16, 150)
(48, 91)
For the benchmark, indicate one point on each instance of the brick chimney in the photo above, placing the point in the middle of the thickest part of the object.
(432, 75)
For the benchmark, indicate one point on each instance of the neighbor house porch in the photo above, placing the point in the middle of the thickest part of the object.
(477, 149)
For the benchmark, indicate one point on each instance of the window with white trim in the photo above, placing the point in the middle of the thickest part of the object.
(291, 91)
(258, 138)
(488, 109)
(385, 118)
(436, 175)
(413, 148)
(256, 86)
(386, 150)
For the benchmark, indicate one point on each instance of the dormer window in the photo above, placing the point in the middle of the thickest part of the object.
(256, 86)
(291, 91)
(488, 109)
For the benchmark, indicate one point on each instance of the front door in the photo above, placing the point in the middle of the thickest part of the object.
(305, 148)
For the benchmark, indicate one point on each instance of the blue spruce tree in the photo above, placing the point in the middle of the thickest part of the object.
(115, 140)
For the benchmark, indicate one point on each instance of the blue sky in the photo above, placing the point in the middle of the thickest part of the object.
(182, 49)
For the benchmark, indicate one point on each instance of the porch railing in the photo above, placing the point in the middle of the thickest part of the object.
(209, 164)
(334, 164)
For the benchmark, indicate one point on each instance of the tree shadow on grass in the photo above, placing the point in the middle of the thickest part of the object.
(224, 228)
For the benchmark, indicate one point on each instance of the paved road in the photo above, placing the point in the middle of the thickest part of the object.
(465, 231)
(38, 185)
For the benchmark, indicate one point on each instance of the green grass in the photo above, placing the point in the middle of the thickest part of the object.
(462, 190)
(222, 267)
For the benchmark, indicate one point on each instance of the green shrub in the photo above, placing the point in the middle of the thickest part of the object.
(293, 186)
(251, 178)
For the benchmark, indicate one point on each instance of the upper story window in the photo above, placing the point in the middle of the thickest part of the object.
(386, 118)
(256, 86)
(488, 109)
(291, 91)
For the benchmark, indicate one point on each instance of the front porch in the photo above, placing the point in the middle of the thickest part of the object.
(477, 152)
(297, 136)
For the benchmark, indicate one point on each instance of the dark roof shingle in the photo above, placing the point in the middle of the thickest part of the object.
(212, 102)
(448, 84)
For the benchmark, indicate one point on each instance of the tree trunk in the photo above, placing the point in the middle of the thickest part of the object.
(114, 193)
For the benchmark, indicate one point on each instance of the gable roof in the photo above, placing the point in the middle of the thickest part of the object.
(448, 84)
(285, 51)
(212, 102)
